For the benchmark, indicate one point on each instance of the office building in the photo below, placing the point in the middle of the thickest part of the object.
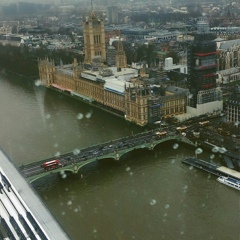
(204, 96)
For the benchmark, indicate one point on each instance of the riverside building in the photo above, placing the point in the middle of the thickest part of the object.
(233, 108)
(121, 90)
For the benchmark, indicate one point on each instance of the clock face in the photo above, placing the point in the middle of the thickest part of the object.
(197, 62)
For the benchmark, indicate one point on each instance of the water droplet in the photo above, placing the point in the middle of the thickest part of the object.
(198, 151)
(153, 202)
(167, 206)
(69, 203)
(63, 213)
(95, 230)
(215, 149)
(57, 154)
(48, 116)
(131, 173)
(175, 146)
(212, 156)
(191, 168)
(56, 145)
(80, 116)
(173, 161)
(182, 232)
(222, 150)
(75, 210)
(88, 115)
(185, 187)
(128, 169)
(38, 83)
(76, 151)
(64, 175)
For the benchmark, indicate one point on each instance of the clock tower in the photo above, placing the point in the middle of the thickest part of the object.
(94, 38)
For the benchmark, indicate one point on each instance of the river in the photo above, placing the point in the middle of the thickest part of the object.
(146, 195)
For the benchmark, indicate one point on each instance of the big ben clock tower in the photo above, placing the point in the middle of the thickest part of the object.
(94, 38)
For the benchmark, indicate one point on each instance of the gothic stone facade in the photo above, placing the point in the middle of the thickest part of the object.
(133, 104)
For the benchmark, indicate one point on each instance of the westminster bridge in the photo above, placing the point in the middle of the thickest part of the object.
(73, 161)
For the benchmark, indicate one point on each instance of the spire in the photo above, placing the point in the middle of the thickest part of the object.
(94, 37)
(92, 5)
(120, 45)
(75, 68)
(121, 60)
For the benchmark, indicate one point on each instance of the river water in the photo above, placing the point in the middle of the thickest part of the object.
(147, 195)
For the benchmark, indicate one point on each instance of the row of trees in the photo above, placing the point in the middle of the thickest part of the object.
(24, 60)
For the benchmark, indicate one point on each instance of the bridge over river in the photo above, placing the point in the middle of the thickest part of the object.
(75, 160)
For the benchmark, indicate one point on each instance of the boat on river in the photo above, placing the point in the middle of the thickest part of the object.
(229, 181)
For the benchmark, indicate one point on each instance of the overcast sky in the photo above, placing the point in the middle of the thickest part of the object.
(33, 1)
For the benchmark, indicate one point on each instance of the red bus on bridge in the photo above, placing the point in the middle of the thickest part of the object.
(51, 164)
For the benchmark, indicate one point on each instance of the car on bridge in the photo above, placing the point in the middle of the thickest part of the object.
(52, 164)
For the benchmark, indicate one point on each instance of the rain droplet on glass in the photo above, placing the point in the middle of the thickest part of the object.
(153, 202)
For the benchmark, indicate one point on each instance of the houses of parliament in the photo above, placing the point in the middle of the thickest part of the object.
(121, 90)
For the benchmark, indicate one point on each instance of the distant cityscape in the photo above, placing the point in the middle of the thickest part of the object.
(146, 62)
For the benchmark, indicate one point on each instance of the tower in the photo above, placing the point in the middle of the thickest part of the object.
(202, 65)
(204, 96)
(136, 104)
(94, 38)
(76, 70)
(46, 71)
(121, 59)
(112, 14)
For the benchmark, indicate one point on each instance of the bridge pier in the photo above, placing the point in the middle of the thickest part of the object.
(151, 146)
(117, 155)
(75, 168)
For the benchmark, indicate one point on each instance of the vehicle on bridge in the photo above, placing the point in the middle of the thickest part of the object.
(181, 129)
(203, 124)
(161, 134)
(52, 164)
